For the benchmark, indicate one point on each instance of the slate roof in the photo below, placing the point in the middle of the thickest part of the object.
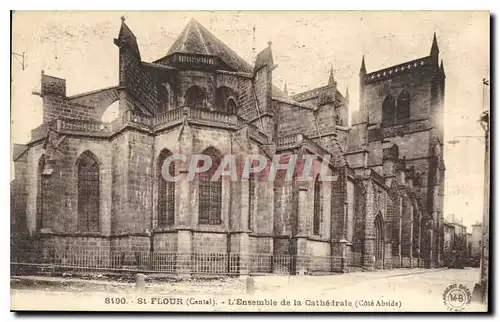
(196, 39)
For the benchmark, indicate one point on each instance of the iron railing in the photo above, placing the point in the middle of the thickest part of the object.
(206, 263)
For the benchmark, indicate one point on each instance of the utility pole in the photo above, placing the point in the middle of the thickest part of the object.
(20, 58)
(481, 288)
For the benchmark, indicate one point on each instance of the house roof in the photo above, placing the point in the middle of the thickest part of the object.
(196, 39)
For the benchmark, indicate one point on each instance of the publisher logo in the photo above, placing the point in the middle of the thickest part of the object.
(456, 297)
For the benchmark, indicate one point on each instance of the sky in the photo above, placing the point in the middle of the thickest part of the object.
(78, 46)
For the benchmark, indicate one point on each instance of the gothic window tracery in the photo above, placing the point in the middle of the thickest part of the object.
(166, 191)
(403, 106)
(210, 191)
(88, 192)
(379, 238)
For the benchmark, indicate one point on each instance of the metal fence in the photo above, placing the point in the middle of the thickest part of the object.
(87, 260)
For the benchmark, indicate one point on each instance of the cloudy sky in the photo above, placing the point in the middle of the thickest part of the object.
(78, 46)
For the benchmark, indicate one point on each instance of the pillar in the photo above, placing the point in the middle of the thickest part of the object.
(369, 240)
(388, 255)
(186, 212)
(428, 243)
(304, 213)
(338, 223)
(396, 232)
(240, 249)
(184, 252)
(406, 233)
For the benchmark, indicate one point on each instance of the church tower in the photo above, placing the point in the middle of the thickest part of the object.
(404, 105)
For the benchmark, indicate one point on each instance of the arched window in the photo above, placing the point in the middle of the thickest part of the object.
(41, 192)
(210, 192)
(318, 207)
(88, 192)
(251, 196)
(225, 100)
(231, 105)
(379, 238)
(163, 98)
(195, 97)
(388, 110)
(403, 106)
(166, 192)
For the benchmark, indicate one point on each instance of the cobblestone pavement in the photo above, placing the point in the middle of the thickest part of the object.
(393, 291)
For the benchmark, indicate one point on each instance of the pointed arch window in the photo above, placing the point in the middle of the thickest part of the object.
(210, 192)
(318, 207)
(379, 238)
(388, 110)
(195, 97)
(226, 99)
(403, 106)
(231, 105)
(88, 192)
(166, 191)
(41, 197)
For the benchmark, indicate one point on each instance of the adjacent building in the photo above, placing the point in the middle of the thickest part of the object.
(460, 246)
(476, 241)
(449, 244)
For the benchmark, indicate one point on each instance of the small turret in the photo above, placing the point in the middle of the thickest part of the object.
(265, 58)
(362, 73)
(362, 70)
(127, 39)
(435, 49)
(331, 79)
(441, 68)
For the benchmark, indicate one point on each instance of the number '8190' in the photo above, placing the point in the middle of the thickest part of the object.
(115, 300)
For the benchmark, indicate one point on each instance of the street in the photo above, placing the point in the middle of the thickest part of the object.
(407, 290)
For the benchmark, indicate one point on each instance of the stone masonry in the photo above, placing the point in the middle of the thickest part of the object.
(384, 210)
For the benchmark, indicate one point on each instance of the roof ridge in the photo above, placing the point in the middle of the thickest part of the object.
(201, 37)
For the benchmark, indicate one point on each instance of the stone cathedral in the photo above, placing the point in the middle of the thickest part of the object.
(85, 184)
